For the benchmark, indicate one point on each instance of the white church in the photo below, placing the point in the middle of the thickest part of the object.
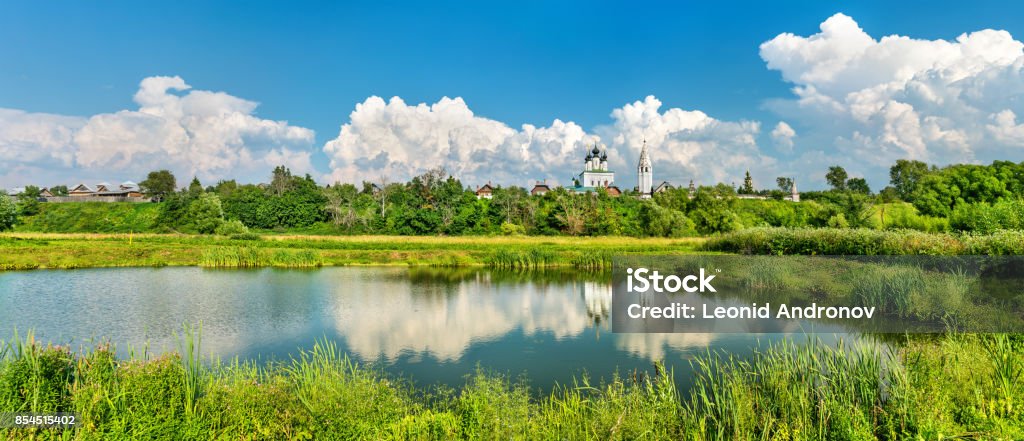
(596, 174)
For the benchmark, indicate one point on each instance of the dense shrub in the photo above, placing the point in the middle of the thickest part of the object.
(205, 213)
(232, 228)
(985, 218)
(831, 241)
(37, 380)
(8, 213)
(903, 216)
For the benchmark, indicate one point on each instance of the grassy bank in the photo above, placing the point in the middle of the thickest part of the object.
(956, 386)
(40, 250)
(91, 217)
(837, 241)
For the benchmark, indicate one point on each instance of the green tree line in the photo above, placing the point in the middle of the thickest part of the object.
(961, 197)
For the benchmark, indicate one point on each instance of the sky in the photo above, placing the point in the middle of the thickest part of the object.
(509, 92)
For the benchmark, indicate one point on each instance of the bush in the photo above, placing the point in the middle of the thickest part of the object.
(37, 380)
(8, 213)
(861, 241)
(232, 227)
(666, 222)
(981, 217)
(510, 229)
(838, 221)
(205, 213)
(903, 216)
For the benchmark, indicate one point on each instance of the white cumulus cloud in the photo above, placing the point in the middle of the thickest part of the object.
(783, 135)
(685, 144)
(211, 135)
(398, 140)
(878, 100)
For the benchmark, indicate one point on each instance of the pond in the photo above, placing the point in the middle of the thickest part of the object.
(429, 325)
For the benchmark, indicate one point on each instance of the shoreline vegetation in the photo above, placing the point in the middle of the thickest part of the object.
(962, 386)
(25, 251)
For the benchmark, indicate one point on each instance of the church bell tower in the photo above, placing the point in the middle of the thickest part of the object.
(645, 178)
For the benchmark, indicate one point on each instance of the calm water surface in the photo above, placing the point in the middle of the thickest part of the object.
(432, 325)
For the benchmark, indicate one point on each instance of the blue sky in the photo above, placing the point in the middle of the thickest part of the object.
(310, 64)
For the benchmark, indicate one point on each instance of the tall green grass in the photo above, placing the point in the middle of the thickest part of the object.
(542, 258)
(841, 241)
(252, 257)
(953, 387)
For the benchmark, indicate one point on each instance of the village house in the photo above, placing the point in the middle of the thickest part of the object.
(540, 189)
(485, 192)
(127, 189)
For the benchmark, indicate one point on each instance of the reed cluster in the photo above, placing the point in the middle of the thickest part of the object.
(252, 257)
(965, 386)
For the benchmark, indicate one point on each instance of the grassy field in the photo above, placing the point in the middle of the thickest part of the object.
(45, 250)
(24, 250)
(952, 387)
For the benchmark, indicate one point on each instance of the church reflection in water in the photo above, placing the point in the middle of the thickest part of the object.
(598, 298)
(442, 317)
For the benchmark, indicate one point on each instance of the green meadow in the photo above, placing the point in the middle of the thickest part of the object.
(42, 250)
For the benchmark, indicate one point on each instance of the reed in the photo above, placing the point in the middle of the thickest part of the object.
(252, 257)
(954, 386)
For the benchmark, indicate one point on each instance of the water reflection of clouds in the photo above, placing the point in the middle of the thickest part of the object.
(655, 346)
(388, 317)
(147, 308)
(378, 312)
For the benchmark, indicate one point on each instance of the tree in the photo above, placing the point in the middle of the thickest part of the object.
(341, 204)
(572, 212)
(748, 184)
(836, 177)
(905, 175)
(858, 185)
(8, 212)
(785, 184)
(158, 184)
(205, 213)
(281, 180)
(28, 201)
(60, 190)
(665, 222)
(195, 187)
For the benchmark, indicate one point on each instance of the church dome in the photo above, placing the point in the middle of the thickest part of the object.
(604, 156)
(589, 157)
(596, 151)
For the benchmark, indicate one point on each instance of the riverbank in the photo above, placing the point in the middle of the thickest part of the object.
(865, 242)
(951, 386)
(20, 251)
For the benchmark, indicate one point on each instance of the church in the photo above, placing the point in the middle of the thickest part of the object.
(595, 170)
(596, 174)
